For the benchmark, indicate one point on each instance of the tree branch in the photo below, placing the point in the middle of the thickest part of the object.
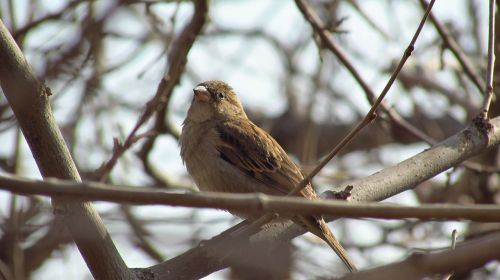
(29, 100)
(254, 203)
(466, 256)
(177, 59)
(455, 48)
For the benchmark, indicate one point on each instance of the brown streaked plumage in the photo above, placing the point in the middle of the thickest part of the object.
(225, 152)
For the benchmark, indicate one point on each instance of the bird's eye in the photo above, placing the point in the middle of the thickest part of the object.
(220, 95)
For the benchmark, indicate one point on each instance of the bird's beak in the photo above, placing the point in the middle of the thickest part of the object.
(201, 94)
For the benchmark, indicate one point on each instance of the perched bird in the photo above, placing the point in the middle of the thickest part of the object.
(225, 152)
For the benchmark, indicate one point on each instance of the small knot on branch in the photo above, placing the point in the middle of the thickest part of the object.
(482, 123)
(409, 50)
(340, 195)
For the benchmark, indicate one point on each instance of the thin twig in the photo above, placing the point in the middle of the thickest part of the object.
(370, 116)
(328, 42)
(454, 47)
(488, 94)
(332, 45)
(373, 24)
(454, 235)
(177, 61)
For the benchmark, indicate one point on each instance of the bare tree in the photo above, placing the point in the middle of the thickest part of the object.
(97, 90)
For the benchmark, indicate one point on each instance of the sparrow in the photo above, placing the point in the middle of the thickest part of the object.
(225, 152)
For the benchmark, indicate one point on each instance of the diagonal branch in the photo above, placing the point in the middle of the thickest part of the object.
(488, 90)
(29, 100)
(370, 116)
(468, 255)
(455, 48)
(327, 40)
(177, 59)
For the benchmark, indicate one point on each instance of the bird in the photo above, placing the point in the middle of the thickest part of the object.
(224, 151)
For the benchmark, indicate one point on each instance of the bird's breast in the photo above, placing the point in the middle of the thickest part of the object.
(204, 163)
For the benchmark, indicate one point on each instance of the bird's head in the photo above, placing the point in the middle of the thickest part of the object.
(215, 100)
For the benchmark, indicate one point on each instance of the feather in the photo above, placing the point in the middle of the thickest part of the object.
(258, 155)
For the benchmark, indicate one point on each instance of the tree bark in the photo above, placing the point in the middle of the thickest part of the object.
(30, 102)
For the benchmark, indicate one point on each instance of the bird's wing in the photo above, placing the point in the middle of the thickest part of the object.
(257, 154)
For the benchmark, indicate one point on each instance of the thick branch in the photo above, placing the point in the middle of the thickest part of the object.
(417, 169)
(29, 100)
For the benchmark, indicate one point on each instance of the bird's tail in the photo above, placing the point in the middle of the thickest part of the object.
(318, 227)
